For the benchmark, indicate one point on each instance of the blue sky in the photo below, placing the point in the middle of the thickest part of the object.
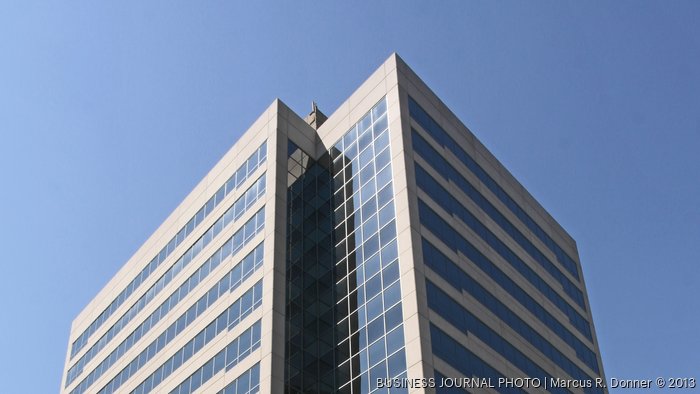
(110, 113)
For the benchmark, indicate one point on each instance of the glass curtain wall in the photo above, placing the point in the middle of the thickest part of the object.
(344, 320)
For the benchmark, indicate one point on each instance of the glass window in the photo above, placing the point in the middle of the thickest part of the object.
(243, 384)
(392, 295)
(393, 317)
(376, 352)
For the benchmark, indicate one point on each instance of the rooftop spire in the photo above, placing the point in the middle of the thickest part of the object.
(316, 117)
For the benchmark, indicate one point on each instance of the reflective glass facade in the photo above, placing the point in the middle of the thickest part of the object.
(371, 344)
(344, 315)
(310, 333)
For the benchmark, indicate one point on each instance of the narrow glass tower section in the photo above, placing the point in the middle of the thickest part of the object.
(310, 337)
(343, 318)
(369, 315)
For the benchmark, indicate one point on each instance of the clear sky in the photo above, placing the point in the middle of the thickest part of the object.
(110, 113)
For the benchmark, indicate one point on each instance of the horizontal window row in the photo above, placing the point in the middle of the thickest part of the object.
(467, 323)
(227, 358)
(234, 213)
(247, 383)
(236, 276)
(462, 281)
(230, 281)
(507, 316)
(433, 222)
(463, 360)
(444, 389)
(438, 193)
(227, 319)
(240, 346)
(443, 138)
(449, 173)
(462, 319)
(241, 308)
(251, 164)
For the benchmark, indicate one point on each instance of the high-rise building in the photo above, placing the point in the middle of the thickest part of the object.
(333, 254)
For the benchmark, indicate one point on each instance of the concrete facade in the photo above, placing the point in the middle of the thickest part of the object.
(395, 84)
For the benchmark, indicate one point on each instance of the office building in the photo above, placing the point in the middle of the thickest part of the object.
(329, 254)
